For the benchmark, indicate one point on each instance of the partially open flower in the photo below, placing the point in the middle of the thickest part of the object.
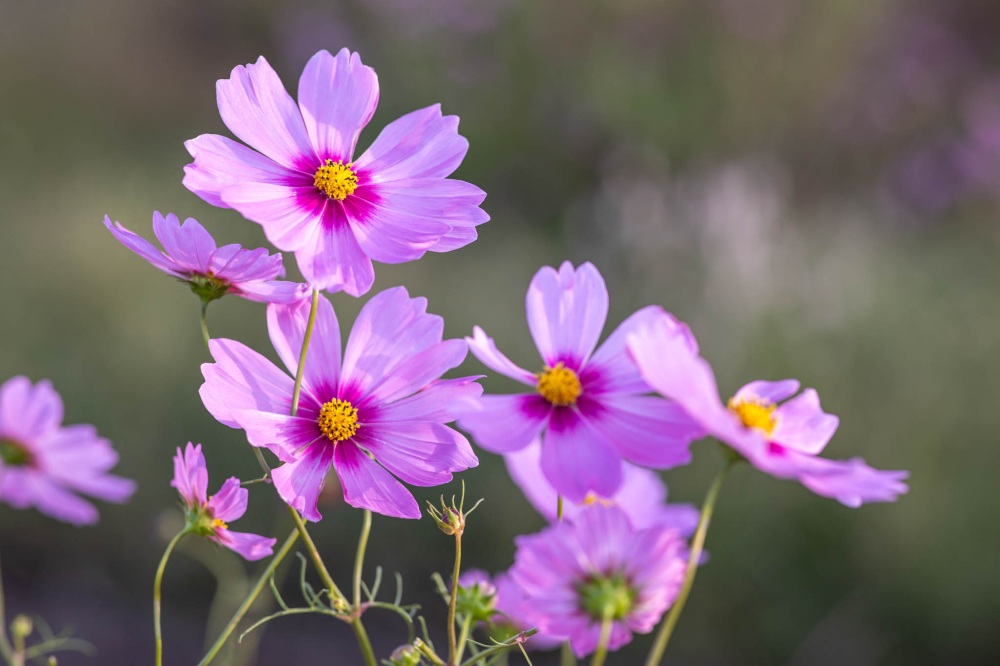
(209, 517)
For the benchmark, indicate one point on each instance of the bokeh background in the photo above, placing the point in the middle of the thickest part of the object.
(813, 186)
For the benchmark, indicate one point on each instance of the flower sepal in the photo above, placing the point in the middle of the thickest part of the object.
(207, 288)
(451, 519)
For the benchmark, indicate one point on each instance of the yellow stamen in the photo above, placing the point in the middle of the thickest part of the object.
(336, 179)
(591, 499)
(559, 385)
(755, 414)
(219, 523)
(338, 420)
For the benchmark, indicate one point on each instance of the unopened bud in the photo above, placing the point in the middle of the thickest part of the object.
(451, 519)
(405, 655)
(21, 627)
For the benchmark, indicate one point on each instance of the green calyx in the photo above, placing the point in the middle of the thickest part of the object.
(477, 601)
(208, 288)
(201, 522)
(607, 597)
(15, 454)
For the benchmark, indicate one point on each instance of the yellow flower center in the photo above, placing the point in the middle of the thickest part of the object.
(559, 385)
(755, 414)
(336, 179)
(219, 523)
(338, 420)
(591, 499)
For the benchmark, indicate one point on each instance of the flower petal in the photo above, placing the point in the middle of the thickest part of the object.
(336, 261)
(417, 371)
(801, 424)
(299, 483)
(422, 454)
(485, 349)
(505, 423)
(768, 392)
(566, 312)
(390, 328)
(646, 430)
(440, 401)
(286, 325)
(337, 97)
(282, 434)
(144, 249)
(240, 379)
(255, 106)
(421, 144)
(220, 162)
(230, 503)
(27, 411)
(189, 244)
(273, 291)
(191, 475)
(577, 460)
(290, 214)
(251, 547)
(368, 486)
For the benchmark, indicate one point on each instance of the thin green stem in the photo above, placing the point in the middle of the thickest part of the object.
(359, 559)
(566, 655)
(6, 650)
(265, 576)
(463, 637)
(363, 642)
(156, 595)
(697, 545)
(336, 596)
(204, 323)
(453, 601)
(601, 653)
(485, 654)
(559, 508)
(305, 350)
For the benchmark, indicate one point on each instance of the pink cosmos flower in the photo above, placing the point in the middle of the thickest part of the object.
(512, 612)
(642, 495)
(574, 575)
(44, 464)
(377, 412)
(591, 405)
(212, 272)
(300, 180)
(784, 439)
(208, 516)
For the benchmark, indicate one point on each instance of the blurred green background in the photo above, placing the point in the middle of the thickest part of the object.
(813, 186)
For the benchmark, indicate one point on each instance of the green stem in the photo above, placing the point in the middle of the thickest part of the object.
(463, 638)
(559, 508)
(336, 596)
(453, 601)
(697, 545)
(6, 650)
(566, 656)
(485, 654)
(156, 595)
(305, 350)
(359, 559)
(601, 653)
(204, 324)
(363, 642)
(248, 602)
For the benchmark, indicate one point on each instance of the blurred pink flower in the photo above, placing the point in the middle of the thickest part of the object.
(302, 183)
(209, 516)
(784, 440)
(571, 576)
(44, 464)
(192, 256)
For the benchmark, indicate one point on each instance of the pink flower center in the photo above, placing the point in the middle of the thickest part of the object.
(338, 420)
(336, 179)
(559, 385)
(755, 414)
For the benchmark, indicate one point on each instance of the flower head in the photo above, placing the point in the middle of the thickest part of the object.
(762, 422)
(212, 272)
(570, 577)
(45, 464)
(642, 495)
(375, 413)
(300, 180)
(209, 517)
(591, 405)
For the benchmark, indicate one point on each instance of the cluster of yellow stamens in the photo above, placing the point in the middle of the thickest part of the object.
(218, 523)
(338, 420)
(559, 385)
(757, 414)
(336, 179)
(591, 499)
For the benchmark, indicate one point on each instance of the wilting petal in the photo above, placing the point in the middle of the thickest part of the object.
(368, 486)
(337, 97)
(566, 312)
